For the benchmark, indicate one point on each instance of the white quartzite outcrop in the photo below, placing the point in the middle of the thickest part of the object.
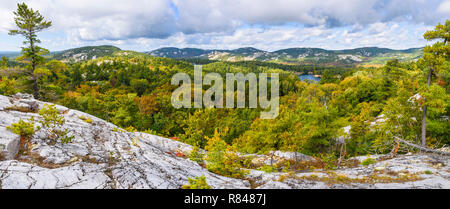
(97, 157)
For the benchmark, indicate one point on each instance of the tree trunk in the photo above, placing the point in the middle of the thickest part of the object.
(421, 148)
(33, 65)
(271, 159)
(35, 88)
(424, 114)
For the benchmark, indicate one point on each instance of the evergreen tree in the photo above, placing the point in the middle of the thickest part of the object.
(433, 59)
(29, 23)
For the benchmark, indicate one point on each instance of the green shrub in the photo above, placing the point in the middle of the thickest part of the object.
(51, 117)
(368, 161)
(329, 161)
(268, 168)
(428, 172)
(196, 155)
(222, 158)
(87, 120)
(131, 129)
(23, 128)
(7, 86)
(52, 122)
(64, 137)
(197, 183)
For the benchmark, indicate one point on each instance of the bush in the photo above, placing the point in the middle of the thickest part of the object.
(329, 161)
(268, 168)
(22, 128)
(7, 86)
(26, 130)
(131, 129)
(52, 122)
(368, 161)
(196, 155)
(87, 120)
(222, 158)
(51, 117)
(197, 183)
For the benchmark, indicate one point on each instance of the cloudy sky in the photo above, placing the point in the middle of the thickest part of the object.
(144, 25)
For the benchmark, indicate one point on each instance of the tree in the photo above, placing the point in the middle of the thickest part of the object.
(433, 58)
(4, 62)
(139, 85)
(76, 76)
(221, 157)
(327, 77)
(29, 23)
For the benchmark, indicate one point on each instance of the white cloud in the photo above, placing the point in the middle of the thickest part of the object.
(377, 28)
(394, 36)
(331, 13)
(105, 19)
(266, 24)
(444, 8)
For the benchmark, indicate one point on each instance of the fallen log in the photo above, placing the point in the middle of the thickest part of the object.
(391, 155)
(424, 149)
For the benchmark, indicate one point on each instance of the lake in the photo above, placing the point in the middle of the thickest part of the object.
(309, 77)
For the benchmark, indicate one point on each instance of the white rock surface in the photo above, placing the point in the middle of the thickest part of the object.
(97, 157)
(433, 172)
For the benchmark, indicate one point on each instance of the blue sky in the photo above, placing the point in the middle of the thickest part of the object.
(144, 25)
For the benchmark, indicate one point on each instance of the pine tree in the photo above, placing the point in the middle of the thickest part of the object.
(433, 58)
(29, 23)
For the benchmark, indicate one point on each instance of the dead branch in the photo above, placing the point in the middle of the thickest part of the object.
(392, 154)
(424, 149)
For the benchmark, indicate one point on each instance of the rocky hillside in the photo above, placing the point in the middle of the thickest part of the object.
(85, 53)
(303, 56)
(101, 155)
(97, 157)
(367, 55)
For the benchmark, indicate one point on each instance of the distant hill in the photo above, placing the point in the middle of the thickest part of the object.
(85, 53)
(9, 55)
(371, 56)
(366, 55)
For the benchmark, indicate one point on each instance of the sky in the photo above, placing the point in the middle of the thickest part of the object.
(145, 25)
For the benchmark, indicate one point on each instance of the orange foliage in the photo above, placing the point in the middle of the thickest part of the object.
(147, 104)
(179, 154)
(175, 138)
(441, 82)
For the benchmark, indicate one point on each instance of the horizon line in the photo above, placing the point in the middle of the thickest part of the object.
(225, 49)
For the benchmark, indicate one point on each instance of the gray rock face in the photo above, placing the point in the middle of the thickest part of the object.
(97, 157)
(278, 158)
(404, 172)
(103, 156)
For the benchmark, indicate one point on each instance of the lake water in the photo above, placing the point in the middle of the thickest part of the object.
(309, 77)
